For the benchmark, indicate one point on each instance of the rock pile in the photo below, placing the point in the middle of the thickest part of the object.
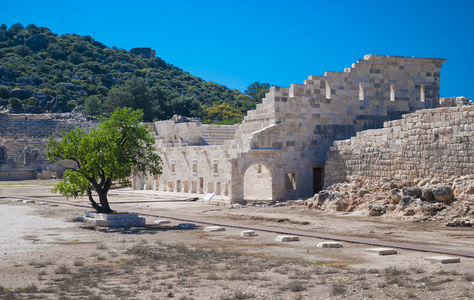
(426, 199)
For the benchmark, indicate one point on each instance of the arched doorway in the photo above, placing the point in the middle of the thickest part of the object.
(258, 182)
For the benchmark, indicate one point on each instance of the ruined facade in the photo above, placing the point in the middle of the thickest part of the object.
(430, 143)
(23, 143)
(279, 150)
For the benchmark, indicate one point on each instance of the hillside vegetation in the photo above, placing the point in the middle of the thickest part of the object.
(41, 71)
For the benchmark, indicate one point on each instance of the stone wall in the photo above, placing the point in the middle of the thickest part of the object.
(23, 140)
(429, 143)
(291, 131)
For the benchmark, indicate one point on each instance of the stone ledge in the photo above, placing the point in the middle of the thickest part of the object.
(382, 251)
(443, 259)
(287, 238)
(329, 245)
(114, 219)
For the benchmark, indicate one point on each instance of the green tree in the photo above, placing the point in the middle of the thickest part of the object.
(223, 113)
(257, 91)
(135, 94)
(92, 106)
(117, 148)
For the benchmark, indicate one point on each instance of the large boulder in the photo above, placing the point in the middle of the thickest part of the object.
(414, 191)
(29, 81)
(443, 193)
(427, 193)
(20, 94)
(37, 42)
(321, 197)
(395, 196)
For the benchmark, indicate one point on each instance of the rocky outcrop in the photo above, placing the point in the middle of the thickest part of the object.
(420, 200)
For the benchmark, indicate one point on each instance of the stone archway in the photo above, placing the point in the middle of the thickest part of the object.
(258, 182)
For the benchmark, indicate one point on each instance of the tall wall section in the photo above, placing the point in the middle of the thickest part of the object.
(23, 143)
(426, 144)
(293, 128)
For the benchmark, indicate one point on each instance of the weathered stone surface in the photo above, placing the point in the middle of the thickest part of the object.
(321, 197)
(414, 191)
(381, 251)
(443, 193)
(287, 238)
(248, 233)
(162, 222)
(214, 228)
(406, 200)
(396, 196)
(329, 245)
(443, 259)
(377, 210)
(427, 193)
(115, 219)
(363, 192)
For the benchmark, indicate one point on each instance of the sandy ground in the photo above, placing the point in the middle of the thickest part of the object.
(46, 254)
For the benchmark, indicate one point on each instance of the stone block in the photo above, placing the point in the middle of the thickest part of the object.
(287, 238)
(28, 201)
(162, 222)
(443, 259)
(248, 233)
(329, 245)
(115, 219)
(381, 251)
(214, 228)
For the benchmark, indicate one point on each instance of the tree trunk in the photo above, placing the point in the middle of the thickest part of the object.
(104, 202)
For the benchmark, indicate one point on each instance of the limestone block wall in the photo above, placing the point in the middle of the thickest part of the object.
(425, 144)
(23, 143)
(292, 130)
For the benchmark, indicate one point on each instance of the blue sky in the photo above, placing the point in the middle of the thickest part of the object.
(235, 43)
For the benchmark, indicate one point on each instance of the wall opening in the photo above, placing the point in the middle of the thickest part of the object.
(215, 167)
(290, 181)
(258, 186)
(361, 91)
(328, 89)
(392, 92)
(173, 166)
(201, 185)
(218, 188)
(317, 180)
(210, 187)
(195, 166)
(422, 93)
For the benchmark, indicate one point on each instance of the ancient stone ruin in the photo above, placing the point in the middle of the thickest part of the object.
(279, 151)
(23, 143)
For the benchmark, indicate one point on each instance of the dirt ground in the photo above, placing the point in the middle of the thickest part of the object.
(46, 254)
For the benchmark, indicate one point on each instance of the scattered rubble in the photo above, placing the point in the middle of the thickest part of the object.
(425, 199)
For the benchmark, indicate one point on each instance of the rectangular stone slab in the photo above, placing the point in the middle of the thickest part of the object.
(286, 238)
(443, 259)
(162, 222)
(248, 233)
(381, 251)
(214, 228)
(329, 245)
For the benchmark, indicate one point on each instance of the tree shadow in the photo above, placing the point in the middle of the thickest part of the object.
(147, 229)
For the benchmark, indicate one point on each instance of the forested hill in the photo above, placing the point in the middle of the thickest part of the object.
(41, 71)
